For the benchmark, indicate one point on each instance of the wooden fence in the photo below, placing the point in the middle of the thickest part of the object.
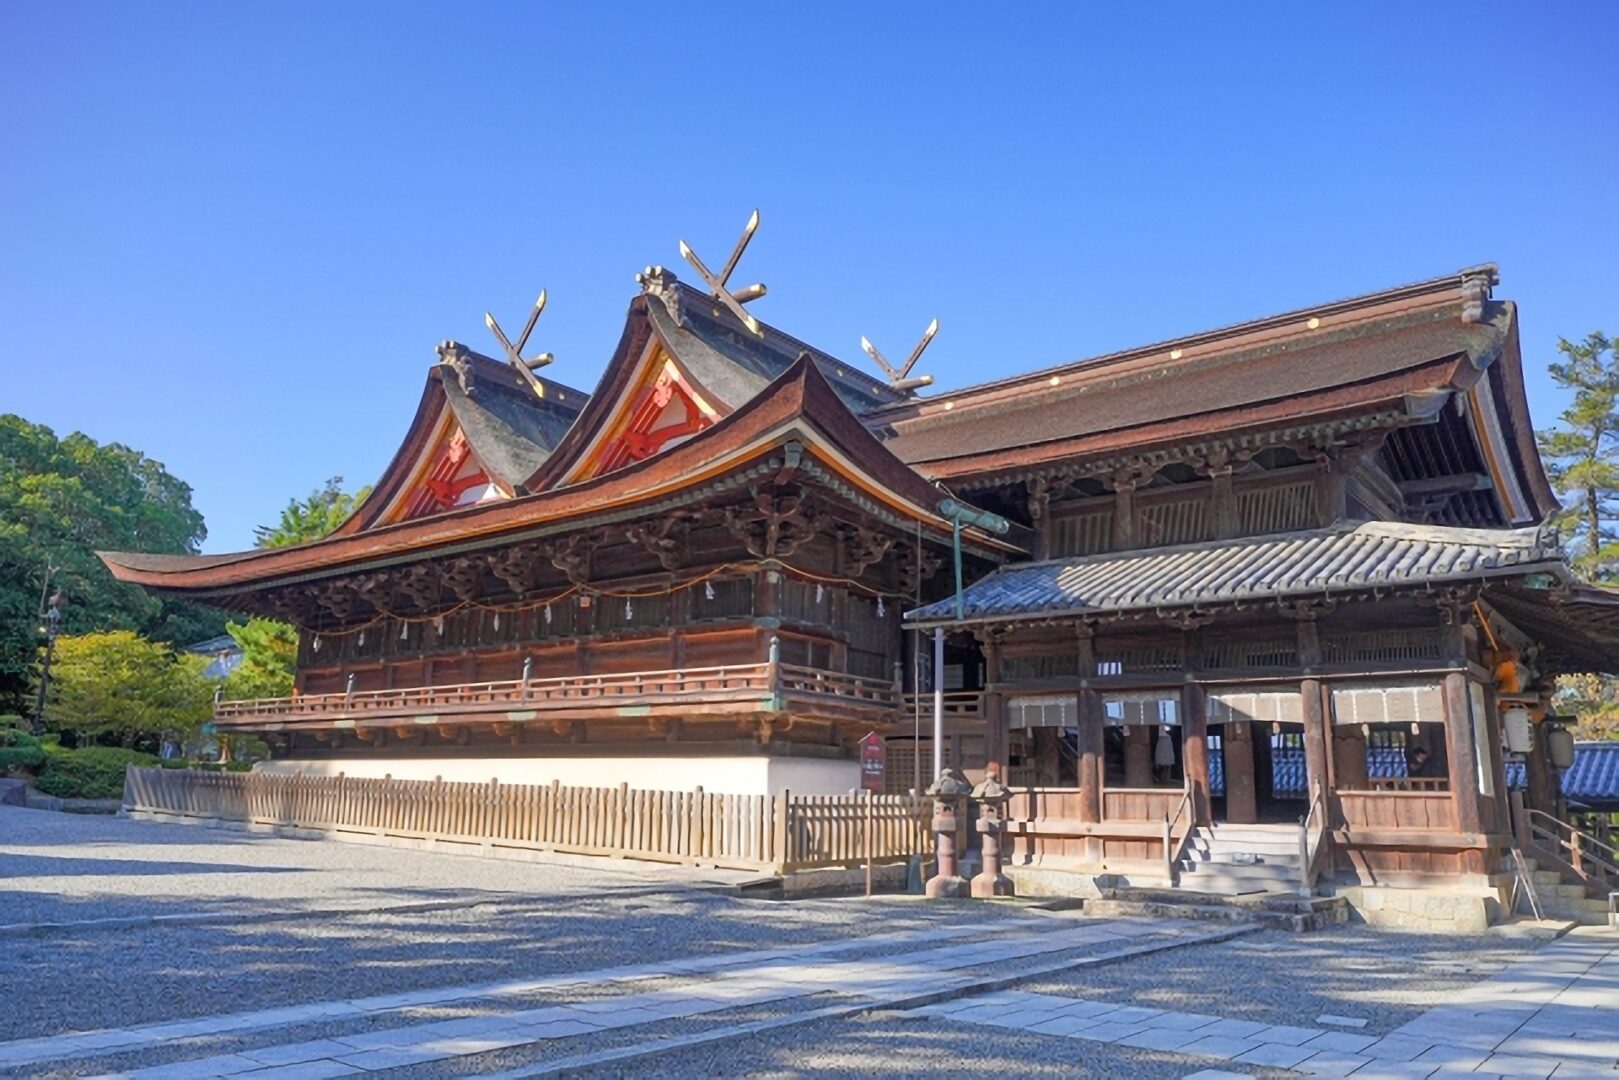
(777, 833)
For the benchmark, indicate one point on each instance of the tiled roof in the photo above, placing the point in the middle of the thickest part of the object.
(1593, 779)
(1345, 557)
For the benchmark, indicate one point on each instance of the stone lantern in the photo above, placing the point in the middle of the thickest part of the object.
(949, 793)
(991, 796)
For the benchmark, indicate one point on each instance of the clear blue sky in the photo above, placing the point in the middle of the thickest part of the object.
(230, 234)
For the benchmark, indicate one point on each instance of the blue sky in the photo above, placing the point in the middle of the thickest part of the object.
(233, 234)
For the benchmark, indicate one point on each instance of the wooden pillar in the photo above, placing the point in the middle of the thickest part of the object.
(1223, 503)
(1090, 756)
(1241, 805)
(1348, 757)
(1462, 754)
(1540, 779)
(1124, 517)
(1138, 756)
(1316, 734)
(1195, 749)
(995, 723)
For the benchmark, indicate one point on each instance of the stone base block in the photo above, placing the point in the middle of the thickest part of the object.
(1457, 911)
(844, 881)
(987, 886)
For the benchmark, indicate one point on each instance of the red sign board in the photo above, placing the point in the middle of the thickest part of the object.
(873, 756)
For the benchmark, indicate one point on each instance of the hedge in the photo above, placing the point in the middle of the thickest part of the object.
(94, 772)
(19, 750)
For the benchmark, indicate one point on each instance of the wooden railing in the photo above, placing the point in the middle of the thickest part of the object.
(966, 704)
(1375, 810)
(1173, 848)
(1312, 840)
(1572, 850)
(832, 830)
(744, 832)
(1408, 783)
(743, 682)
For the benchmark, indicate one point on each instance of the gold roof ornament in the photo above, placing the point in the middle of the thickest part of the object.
(514, 352)
(718, 285)
(899, 377)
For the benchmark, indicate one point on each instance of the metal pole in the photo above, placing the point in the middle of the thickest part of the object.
(938, 702)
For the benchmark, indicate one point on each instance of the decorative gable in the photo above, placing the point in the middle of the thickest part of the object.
(448, 476)
(662, 408)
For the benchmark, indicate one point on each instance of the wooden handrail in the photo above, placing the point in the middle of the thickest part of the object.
(1584, 862)
(1173, 849)
(1311, 843)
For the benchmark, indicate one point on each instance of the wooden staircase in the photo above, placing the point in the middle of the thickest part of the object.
(1238, 860)
(1576, 876)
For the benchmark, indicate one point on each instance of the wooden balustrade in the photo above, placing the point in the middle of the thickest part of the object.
(745, 683)
(1377, 810)
(966, 704)
(744, 832)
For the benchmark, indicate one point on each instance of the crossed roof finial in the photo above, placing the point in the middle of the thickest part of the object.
(514, 353)
(717, 283)
(898, 377)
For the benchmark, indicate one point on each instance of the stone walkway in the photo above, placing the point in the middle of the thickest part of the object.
(946, 960)
(1555, 1014)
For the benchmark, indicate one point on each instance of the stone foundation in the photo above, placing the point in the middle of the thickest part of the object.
(1443, 911)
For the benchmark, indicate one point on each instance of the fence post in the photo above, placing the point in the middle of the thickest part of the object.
(780, 854)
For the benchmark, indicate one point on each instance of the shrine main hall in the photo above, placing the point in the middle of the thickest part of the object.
(1186, 595)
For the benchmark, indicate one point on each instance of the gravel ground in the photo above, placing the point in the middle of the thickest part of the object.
(518, 919)
(1282, 978)
(516, 1057)
(69, 867)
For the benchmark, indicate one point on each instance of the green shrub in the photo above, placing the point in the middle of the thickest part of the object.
(95, 772)
(19, 750)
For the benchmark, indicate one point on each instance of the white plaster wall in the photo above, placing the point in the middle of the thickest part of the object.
(750, 775)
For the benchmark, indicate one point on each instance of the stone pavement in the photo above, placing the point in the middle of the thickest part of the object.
(1555, 1014)
(943, 960)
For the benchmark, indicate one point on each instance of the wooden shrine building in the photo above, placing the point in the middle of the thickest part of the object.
(1289, 569)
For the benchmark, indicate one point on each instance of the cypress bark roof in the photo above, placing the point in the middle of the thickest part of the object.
(798, 408)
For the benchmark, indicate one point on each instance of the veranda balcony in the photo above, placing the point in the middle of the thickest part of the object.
(767, 688)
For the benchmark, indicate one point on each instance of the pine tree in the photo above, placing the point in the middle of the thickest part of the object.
(1582, 455)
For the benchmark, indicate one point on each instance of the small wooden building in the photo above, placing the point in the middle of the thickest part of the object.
(1289, 569)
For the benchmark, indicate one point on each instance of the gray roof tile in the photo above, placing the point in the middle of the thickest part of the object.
(1348, 556)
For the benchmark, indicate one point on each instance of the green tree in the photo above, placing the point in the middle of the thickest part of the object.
(269, 654)
(117, 683)
(311, 518)
(1582, 454)
(61, 499)
(269, 648)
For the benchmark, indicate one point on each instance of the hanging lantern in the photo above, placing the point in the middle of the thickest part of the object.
(315, 645)
(1520, 732)
(1559, 746)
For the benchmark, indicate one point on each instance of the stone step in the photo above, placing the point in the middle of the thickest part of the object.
(1275, 910)
(1263, 869)
(1527, 928)
(1240, 849)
